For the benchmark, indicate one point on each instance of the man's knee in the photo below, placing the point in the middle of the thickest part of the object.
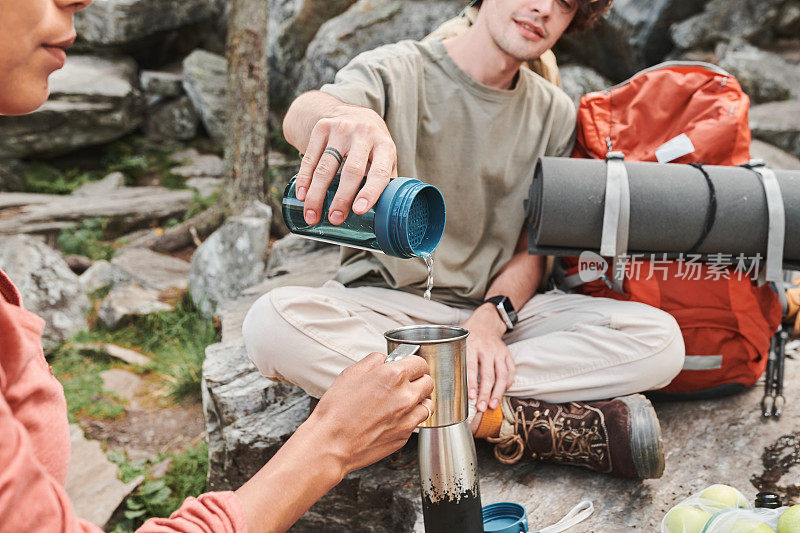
(666, 360)
(267, 335)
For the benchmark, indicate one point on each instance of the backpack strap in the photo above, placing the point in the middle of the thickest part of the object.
(616, 216)
(777, 219)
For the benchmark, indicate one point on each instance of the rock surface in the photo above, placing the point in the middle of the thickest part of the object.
(93, 101)
(778, 123)
(92, 484)
(47, 285)
(12, 175)
(100, 275)
(127, 209)
(116, 22)
(197, 165)
(764, 76)
(773, 156)
(160, 83)
(112, 182)
(172, 120)
(634, 35)
(152, 270)
(204, 79)
(292, 26)
(121, 383)
(286, 253)
(577, 81)
(367, 25)
(230, 260)
(724, 20)
(129, 299)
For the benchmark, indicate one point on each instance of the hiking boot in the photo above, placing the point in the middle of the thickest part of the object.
(620, 437)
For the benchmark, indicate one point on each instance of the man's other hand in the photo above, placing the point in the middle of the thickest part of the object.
(372, 408)
(358, 137)
(490, 366)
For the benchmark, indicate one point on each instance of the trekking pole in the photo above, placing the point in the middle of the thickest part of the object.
(777, 409)
(767, 401)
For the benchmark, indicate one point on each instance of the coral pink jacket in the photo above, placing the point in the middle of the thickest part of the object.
(34, 443)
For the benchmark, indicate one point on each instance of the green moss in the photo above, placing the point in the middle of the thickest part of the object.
(86, 238)
(46, 179)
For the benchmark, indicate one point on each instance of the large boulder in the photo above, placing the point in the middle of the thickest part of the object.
(118, 22)
(724, 20)
(172, 120)
(152, 270)
(12, 175)
(764, 76)
(367, 25)
(47, 285)
(230, 260)
(93, 101)
(205, 81)
(773, 156)
(778, 123)
(577, 80)
(292, 26)
(633, 36)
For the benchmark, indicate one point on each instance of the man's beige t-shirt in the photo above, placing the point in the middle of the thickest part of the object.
(477, 144)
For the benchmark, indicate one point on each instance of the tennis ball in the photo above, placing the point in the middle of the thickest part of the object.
(723, 496)
(685, 519)
(747, 525)
(789, 522)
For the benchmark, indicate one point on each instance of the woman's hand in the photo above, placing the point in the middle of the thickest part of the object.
(372, 408)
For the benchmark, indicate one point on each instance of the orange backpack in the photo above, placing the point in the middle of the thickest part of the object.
(690, 113)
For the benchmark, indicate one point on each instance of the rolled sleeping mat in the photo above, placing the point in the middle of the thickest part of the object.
(660, 208)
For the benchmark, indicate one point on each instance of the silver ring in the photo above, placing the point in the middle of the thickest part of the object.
(430, 413)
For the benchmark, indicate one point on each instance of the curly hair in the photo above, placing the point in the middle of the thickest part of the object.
(586, 15)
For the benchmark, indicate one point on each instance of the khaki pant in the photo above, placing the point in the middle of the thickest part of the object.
(567, 347)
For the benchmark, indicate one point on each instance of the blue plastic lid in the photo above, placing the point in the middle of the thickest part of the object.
(505, 517)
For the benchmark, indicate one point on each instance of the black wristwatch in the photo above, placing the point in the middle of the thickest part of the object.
(505, 310)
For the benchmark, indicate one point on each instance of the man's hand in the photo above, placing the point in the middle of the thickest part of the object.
(489, 361)
(358, 136)
(372, 408)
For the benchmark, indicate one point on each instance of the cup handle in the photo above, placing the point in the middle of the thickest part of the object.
(403, 350)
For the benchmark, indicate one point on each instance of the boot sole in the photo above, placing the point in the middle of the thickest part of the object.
(647, 448)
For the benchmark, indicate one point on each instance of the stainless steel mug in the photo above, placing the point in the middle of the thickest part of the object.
(445, 350)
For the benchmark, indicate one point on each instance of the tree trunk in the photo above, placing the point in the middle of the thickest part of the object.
(248, 107)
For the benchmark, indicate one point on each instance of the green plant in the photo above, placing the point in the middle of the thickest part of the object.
(46, 179)
(86, 238)
(79, 374)
(137, 159)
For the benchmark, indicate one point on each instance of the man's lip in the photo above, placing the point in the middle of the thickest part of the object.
(536, 28)
(63, 44)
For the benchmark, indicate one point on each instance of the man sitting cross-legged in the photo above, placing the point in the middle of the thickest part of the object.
(558, 381)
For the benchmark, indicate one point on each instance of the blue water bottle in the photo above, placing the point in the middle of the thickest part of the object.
(407, 220)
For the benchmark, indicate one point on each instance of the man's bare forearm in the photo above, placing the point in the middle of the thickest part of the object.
(304, 113)
(520, 277)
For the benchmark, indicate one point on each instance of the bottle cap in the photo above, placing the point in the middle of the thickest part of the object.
(768, 500)
(409, 218)
(505, 517)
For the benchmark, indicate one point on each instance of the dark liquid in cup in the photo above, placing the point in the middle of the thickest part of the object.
(462, 514)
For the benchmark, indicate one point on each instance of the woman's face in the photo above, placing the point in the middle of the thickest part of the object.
(34, 35)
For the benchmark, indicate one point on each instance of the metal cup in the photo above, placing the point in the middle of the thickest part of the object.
(445, 350)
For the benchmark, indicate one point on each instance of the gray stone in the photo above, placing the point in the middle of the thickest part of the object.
(290, 250)
(112, 182)
(78, 263)
(634, 35)
(159, 470)
(126, 209)
(196, 165)
(93, 101)
(118, 352)
(121, 383)
(116, 22)
(205, 187)
(764, 76)
(789, 21)
(153, 270)
(205, 81)
(292, 26)
(159, 83)
(230, 260)
(726, 20)
(367, 25)
(778, 123)
(129, 299)
(172, 120)
(773, 156)
(102, 274)
(12, 175)
(577, 80)
(92, 484)
(47, 285)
